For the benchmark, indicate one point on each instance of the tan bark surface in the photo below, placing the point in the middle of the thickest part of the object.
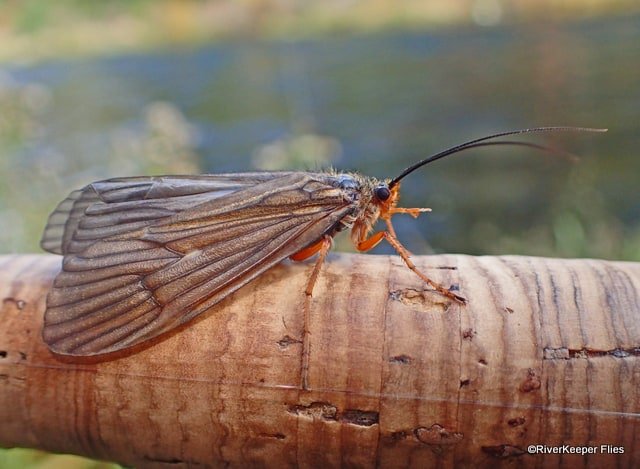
(547, 351)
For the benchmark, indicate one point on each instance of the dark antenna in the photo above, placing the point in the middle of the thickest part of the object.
(482, 142)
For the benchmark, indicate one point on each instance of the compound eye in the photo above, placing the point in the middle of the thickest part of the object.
(382, 193)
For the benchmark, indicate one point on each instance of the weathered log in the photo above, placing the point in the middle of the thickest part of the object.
(546, 352)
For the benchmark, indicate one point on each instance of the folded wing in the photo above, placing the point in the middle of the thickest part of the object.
(135, 268)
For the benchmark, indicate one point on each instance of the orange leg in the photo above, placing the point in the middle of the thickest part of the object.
(307, 252)
(322, 247)
(369, 243)
(414, 212)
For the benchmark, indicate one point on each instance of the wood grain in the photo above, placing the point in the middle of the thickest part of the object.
(546, 352)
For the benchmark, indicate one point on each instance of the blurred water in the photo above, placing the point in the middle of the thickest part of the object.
(370, 103)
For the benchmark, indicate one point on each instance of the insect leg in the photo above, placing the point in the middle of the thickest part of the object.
(369, 243)
(414, 212)
(323, 250)
(307, 252)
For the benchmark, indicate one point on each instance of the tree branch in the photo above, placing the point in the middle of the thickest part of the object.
(547, 351)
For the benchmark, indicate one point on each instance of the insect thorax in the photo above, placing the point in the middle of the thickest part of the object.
(359, 190)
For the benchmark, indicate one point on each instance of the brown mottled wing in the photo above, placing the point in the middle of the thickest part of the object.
(130, 286)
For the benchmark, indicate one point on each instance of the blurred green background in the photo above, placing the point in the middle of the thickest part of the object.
(92, 90)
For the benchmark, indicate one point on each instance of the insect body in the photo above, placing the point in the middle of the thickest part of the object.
(144, 255)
